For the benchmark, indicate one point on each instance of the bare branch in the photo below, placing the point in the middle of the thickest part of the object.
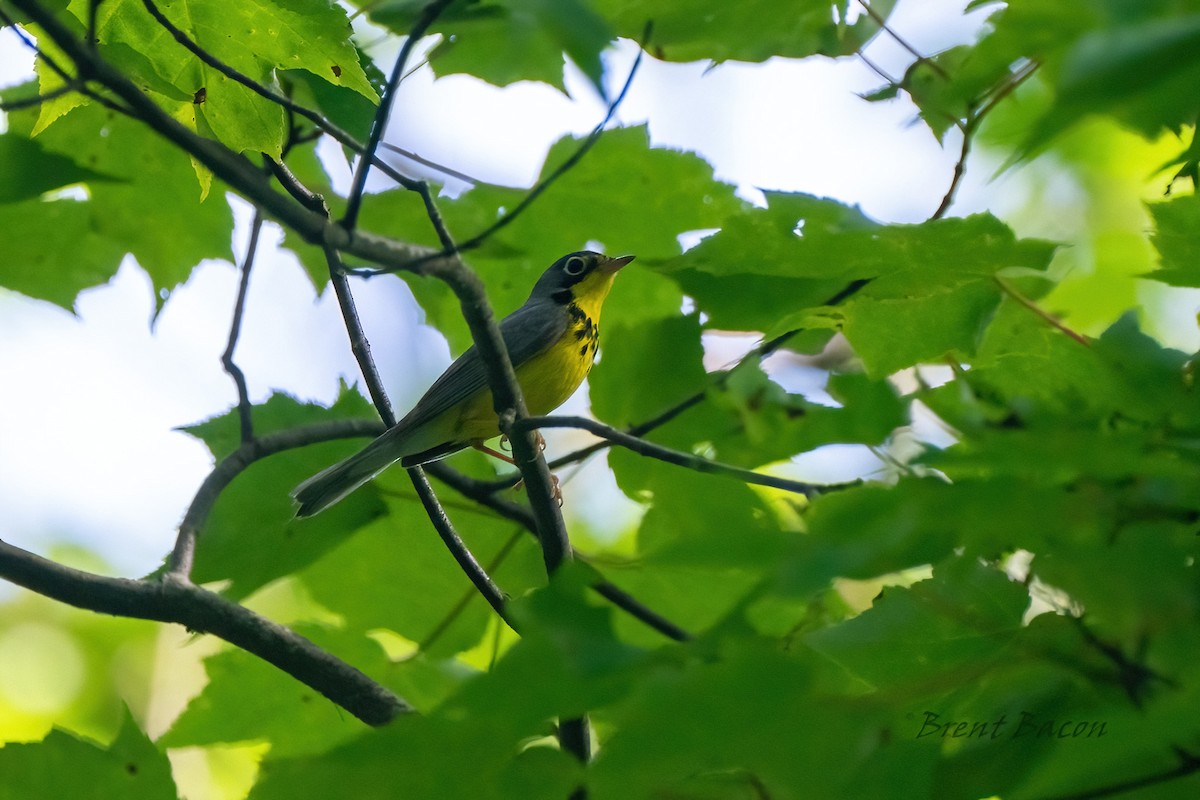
(179, 563)
(495, 597)
(680, 459)
(353, 203)
(174, 599)
(235, 329)
(562, 168)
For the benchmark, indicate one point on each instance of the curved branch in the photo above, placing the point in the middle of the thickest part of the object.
(179, 563)
(176, 600)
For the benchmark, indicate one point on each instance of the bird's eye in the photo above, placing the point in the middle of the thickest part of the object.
(574, 266)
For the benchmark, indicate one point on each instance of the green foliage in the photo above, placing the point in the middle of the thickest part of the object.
(1008, 613)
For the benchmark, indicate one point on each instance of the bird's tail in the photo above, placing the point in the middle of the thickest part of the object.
(330, 485)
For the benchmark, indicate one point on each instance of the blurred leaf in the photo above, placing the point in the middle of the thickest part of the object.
(1177, 239)
(30, 171)
(1146, 74)
(646, 369)
(756, 30)
(129, 767)
(407, 582)
(966, 614)
(247, 699)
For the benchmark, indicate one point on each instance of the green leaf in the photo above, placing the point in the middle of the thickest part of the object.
(247, 699)
(1176, 237)
(749, 31)
(51, 251)
(767, 424)
(407, 581)
(129, 767)
(672, 736)
(625, 195)
(311, 35)
(505, 41)
(646, 369)
(1146, 74)
(28, 171)
(149, 180)
(967, 614)
(935, 280)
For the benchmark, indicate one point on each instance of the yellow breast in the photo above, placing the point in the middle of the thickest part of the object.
(550, 377)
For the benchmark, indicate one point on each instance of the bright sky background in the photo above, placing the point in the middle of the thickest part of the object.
(88, 402)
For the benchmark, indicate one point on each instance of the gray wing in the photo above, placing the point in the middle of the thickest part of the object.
(540, 323)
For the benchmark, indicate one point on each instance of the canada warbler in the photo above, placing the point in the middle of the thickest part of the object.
(551, 340)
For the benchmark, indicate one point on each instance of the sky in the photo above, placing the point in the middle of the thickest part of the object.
(89, 401)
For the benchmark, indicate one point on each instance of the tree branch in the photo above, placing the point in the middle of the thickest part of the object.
(235, 329)
(242, 176)
(676, 457)
(179, 563)
(1188, 765)
(494, 595)
(379, 124)
(174, 599)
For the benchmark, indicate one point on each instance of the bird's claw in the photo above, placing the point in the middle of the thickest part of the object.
(555, 490)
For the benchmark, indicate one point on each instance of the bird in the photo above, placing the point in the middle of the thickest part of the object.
(552, 341)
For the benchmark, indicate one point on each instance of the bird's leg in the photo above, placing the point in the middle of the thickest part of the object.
(541, 445)
(483, 448)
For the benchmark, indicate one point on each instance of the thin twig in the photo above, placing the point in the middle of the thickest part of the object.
(359, 346)
(971, 125)
(484, 493)
(882, 23)
(479, 577)
(235, 329)
(538, 189)
(420, 159)
(379, 124)
(176, 600)
(37, 100)
(464, 601)
(1188, 765)
(630, 605)
(561, 169)
(1045, 316)
(960, 169)
(75, 83)
(676, 457)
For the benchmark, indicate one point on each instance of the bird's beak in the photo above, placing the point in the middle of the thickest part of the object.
(611, 265)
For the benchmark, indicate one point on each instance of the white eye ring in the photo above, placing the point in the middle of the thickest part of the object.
(574, 266)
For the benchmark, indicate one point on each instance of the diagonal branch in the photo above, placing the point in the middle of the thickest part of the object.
(561, 169)
(176, 600)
